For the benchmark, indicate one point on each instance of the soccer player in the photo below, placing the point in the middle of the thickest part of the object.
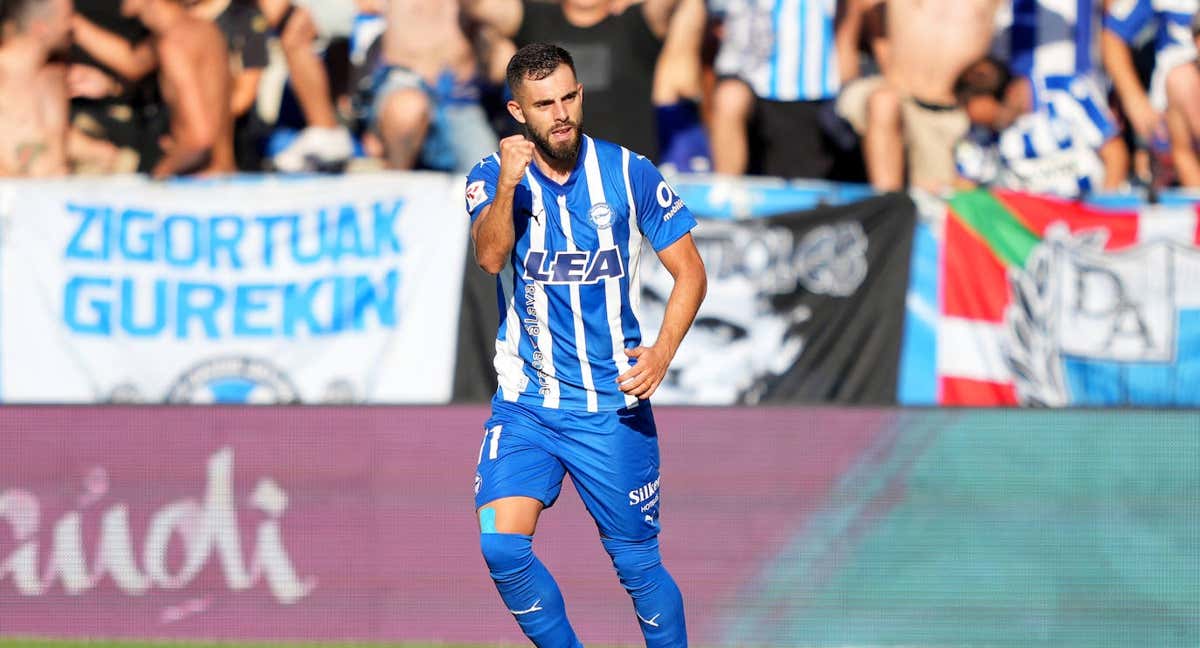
(561, 217)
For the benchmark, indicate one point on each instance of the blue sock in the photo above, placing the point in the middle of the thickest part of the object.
(528, 590)
(656, 597)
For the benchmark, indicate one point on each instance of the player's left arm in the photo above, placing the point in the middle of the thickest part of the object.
(667, 224)
(682, 260)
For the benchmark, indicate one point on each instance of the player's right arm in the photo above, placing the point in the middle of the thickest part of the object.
(490, 193)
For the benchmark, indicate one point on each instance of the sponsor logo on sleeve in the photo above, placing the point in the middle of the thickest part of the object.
(664, 194)
(476, 194)
(668, 200)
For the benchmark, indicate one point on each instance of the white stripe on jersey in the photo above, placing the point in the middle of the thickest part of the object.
(814, 40)
(753, 63)
(509, 367)
(612, 285)
(635, 243)
(585, 367)
(545, 340)
(787, 51)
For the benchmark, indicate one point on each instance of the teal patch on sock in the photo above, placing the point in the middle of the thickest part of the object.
(487, 521)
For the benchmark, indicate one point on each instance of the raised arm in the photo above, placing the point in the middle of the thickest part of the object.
(658, 15)
(848, 27)
(133, 61)
(678, 72)
(493, 232)
(504, 16)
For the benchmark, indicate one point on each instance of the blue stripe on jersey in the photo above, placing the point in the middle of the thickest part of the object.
(1083, 36)
(1097, 117)
(1165, 37)
(801, 76)
(525, 347)
(1128, 26)
(1023, 36)
(502, 302)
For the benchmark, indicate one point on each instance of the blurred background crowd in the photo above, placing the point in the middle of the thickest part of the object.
(1059, 96)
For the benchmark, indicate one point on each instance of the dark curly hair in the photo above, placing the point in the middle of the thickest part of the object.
(536, 61)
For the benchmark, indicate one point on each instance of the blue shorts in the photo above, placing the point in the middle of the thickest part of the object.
(612, 458)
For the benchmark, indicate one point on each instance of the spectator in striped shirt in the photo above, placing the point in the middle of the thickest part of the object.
(1053, 50)
(1054, 149)
(780, 64)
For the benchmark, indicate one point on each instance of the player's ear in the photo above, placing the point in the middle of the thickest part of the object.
(514, 109)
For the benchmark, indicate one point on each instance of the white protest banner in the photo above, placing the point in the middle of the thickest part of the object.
(329, 289)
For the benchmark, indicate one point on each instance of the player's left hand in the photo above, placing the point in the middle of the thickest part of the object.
(643, 378)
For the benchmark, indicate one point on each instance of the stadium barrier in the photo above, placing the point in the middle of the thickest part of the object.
(360, 289)
(826, 527)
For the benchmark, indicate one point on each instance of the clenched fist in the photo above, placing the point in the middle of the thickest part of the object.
(516, 153)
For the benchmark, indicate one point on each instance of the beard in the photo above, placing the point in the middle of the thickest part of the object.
(563, 152)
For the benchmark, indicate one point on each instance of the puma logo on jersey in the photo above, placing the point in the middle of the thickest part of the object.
(576, 267)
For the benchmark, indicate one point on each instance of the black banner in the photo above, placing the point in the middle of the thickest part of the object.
(803, 307)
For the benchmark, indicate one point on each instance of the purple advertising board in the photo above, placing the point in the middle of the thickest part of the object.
(356, 523)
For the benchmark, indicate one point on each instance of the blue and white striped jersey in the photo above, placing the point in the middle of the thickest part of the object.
(1169, 22)
(1050, 38)
(569, 296)
(784, 49)
(1053, 150)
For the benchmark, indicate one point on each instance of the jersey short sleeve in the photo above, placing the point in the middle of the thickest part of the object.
(661, 214)
(1127, 18)
(481, 186)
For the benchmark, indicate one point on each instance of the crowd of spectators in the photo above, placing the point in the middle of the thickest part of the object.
(1063, 96)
